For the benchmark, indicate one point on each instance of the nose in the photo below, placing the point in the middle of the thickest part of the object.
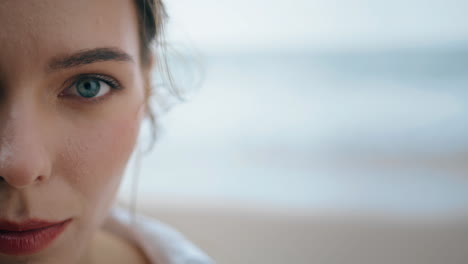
(23, 157)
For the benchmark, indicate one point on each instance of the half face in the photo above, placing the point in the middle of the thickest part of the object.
(71, 101)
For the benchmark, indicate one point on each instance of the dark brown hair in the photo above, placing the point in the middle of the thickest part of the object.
(152, 18)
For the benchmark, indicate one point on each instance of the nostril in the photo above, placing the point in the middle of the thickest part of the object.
(40, 178)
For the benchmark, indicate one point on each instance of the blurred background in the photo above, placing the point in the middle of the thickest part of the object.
(316, 131)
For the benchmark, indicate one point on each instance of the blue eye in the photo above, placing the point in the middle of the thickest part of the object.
(91, 86)
(88, 88)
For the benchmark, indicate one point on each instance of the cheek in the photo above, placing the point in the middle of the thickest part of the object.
(96, 156)
(107, 154)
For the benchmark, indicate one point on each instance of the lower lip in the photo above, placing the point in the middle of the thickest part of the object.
(31, 241)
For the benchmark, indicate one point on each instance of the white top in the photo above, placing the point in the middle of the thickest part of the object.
(160, 243)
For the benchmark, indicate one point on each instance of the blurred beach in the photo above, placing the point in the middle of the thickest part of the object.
(356, 157)
(377, 130)
(316, 131)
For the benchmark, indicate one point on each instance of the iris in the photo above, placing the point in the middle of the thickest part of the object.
(88, 88)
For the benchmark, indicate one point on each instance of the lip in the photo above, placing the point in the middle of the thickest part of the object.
(28, 237)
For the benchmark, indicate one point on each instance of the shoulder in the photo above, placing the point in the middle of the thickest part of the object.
(161, 243)
(110, 248)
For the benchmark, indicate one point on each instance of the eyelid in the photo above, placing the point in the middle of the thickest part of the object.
(112, 82)
(71, 83)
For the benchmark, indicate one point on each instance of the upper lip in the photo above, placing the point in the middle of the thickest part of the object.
(32, 224)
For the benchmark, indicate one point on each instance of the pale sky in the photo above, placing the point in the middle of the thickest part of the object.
(292, 24)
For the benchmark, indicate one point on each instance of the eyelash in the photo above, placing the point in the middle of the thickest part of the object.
(113, 84)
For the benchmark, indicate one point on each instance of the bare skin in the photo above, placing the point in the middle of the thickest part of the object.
(64, 147)
(108, 248)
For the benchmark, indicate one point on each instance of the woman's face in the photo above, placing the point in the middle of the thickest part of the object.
(71, 101)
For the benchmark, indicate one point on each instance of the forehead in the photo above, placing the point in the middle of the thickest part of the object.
(40, 29)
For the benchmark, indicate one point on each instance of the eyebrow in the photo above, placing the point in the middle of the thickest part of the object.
(84, 57)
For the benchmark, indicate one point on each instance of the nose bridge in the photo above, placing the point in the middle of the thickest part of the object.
(17, 128)
(22, 151)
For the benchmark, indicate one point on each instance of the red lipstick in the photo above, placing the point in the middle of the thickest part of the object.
(28, 237)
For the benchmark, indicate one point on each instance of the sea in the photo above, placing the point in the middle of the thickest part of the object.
(382, 130)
